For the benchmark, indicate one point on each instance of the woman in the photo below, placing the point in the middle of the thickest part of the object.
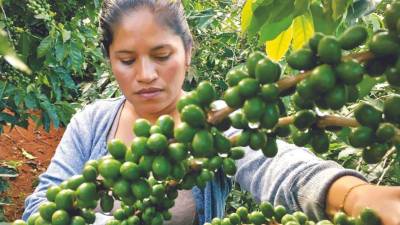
(148, 44)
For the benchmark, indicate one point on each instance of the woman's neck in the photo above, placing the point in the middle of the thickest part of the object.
(153, 116)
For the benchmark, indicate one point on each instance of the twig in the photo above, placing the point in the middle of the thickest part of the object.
(324, 121)
(215, 117)
(331, 120)
(360, 56)
(283, 121)
(359, 163)
(388, 166)
(289, 81)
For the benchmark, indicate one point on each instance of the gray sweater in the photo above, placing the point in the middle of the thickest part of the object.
(295, 178)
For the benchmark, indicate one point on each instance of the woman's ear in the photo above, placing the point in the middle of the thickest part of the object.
(188, 58)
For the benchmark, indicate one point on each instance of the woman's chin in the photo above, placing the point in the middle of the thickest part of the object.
(151, 107)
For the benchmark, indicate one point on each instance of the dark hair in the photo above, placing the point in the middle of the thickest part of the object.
(168, 12)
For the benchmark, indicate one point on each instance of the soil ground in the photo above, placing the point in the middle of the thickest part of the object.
(30, 151)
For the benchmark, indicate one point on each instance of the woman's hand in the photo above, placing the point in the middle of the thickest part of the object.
(354, 194)
(384, 200)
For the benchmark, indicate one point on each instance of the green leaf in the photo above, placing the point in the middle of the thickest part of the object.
(6, 171)
(246, 15)
(278, 47)
(322, 19)
(66, 35)
(301, 7)
(303, 30)
(45, 120)
(259, 3)
(270, 31)
(4, 185)
(18, 97)
(281, 10)
(360, 8)
(271, 19)
(60, 51)
(366, 85)
(66, 78)
(44, 46)
(7, 118)
(23, 123)
(65, 111)
(51, 113)
(75, 55)
(339, 8)
(24, 46)
(10, 89)
(261, 15)
(56, 86)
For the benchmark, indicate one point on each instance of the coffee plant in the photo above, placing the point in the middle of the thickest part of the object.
(60, 46)
(268, 214)
(164, 158)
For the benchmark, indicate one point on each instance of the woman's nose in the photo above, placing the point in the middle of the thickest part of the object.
(146, 71)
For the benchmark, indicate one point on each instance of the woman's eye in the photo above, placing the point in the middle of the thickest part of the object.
(162, 57)
(127, 62)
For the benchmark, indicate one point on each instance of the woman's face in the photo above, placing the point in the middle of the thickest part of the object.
(149, 62)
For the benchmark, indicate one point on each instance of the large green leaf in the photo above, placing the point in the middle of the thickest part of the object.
(45, 45)
(51, 113)
(7, 118)
(30, 101)
(359, 8)
(246, 15)
(270, 31)
(271, 19)
(259, 3)
(65, 111)
(303, 30)
(66, 35)
(323, 21)
(24, 46)
(60, 50)
(262, 13)
(301, 7)
(281, 10)
(339, 8)
(366, 85)
(6, 171)
(76, 56)
(18, 97)
(56, 86)
(278, 47)
(66, 78)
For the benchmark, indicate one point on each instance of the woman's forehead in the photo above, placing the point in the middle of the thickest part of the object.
(142, 20)
(142, 27)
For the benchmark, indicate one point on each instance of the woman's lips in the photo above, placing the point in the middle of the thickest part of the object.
(149, 92)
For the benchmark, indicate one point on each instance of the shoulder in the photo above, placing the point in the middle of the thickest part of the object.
(100, 108)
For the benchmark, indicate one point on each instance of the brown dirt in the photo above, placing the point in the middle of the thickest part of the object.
(39, 144)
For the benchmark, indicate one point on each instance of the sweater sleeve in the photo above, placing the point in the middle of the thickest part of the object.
(294, 178)
(70, 156)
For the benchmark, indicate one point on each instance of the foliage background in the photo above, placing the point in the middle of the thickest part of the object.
(58, 40)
